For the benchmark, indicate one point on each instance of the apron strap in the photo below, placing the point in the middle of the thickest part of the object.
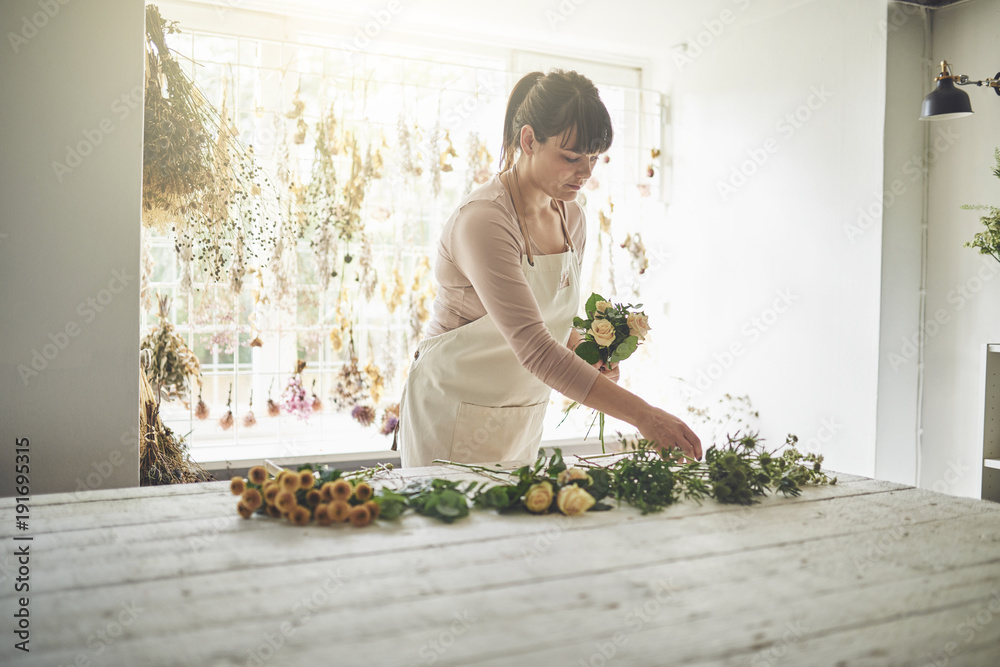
(560, 208)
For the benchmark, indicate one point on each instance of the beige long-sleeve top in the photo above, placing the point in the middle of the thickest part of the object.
(478, 272)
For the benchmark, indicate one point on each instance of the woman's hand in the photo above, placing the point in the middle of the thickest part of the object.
(609, 371)
(669, 432)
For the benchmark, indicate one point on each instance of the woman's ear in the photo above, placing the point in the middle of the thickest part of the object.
(528, 141)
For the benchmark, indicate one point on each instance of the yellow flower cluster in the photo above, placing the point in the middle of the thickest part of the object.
(300, 497)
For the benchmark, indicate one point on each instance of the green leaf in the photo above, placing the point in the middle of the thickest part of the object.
(581, 323)
(624, 350)
(556, 463)
(589, 351)
(592, 303)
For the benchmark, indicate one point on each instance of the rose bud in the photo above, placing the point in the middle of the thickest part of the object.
(571, 475)
(574, 500)
(538, 497)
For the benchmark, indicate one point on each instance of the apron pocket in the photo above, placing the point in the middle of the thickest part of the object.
(486, 434)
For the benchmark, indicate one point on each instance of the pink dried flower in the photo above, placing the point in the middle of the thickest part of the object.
(363, 414)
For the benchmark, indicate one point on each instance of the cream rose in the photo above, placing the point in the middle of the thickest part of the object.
(574, 500)
(603, 332)
(638, 325)
(571, 475)
(538, 497)
(601, 306)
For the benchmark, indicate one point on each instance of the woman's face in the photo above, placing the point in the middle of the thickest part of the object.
(558, 172)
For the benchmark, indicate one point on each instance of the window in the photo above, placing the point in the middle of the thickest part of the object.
(434, 121)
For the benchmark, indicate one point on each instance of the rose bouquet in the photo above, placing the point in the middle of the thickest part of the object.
(610, 334)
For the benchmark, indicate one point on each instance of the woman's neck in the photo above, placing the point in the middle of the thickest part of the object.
(536, 203)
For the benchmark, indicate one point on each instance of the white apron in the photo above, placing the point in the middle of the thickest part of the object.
(467, 397)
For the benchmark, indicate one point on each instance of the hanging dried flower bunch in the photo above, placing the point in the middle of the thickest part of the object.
(478, 162)
(351, 387)
(376, 382)
(272, 408)
(198, 178)
(409, 162)
(173, 361)
(317, 403)
(294, 400)
(368, 276)
(226, 422)
(390, 418)
(201, 411)
(163, 457)
(637, 250)
(363, 414)
(249, 419)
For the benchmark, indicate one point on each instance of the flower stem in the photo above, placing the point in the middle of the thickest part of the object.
(482, 470)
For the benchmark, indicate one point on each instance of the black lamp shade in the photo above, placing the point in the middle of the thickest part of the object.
(946, 101)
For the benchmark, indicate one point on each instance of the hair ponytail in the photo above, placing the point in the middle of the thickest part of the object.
(554, 103)
(511, 134)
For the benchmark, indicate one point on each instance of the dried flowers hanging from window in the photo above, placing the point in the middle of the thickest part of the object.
(199, 180)
(226, 422)
(272, 408)
(249, 419)
(173, 361)
(294, 400)
(351, 387)
(201, 411)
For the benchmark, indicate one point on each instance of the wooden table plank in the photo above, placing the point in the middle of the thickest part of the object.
(853, 564)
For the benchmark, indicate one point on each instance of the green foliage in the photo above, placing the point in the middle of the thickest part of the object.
(988, 242)
(439, 498)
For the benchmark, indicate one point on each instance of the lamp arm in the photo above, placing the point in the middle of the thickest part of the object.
(994, 83)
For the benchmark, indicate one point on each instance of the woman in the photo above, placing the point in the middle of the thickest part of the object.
(508, 272)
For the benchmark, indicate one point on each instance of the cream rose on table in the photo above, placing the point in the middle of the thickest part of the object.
(538, 497)
(574, 500)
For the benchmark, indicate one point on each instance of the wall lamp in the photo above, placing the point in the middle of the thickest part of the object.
(946, 101)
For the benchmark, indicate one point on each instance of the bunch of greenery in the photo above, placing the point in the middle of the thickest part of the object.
(647, 478)
(988, 241)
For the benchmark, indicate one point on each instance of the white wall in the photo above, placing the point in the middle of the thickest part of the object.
(778, 141)
(69, 235)
(961, 284)
(903, 202)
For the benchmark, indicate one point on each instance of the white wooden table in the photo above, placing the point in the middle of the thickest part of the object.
(861, 573)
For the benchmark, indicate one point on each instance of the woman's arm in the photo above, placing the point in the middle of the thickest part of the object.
(654, 424)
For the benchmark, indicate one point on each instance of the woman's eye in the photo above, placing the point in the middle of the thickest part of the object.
(572, 160)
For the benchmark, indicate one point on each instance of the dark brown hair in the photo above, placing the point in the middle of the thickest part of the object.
(552, 104)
